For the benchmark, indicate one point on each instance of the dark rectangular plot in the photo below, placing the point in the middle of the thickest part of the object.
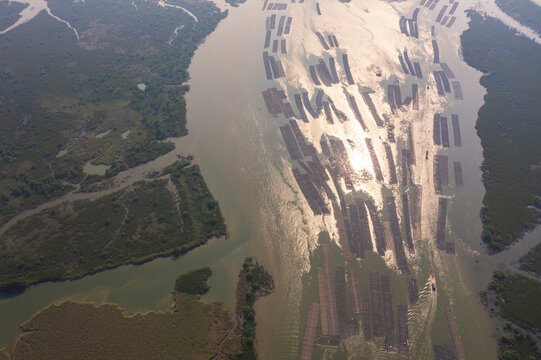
(400, 254)
(416, 29)
(406, 156)
(436, 51)
(451, 22)
(457, 90)
(272, 101)
(444, 20)
(335, 41)
(397, 96)
(368, 101)
(450, 247)
(444, 132)
(274, 67)
(442, 12)
(356, 112)
(407, 223)
(402, 23)
(376, 226)
(323, 72)
(280, 68)
(456, 130)
(423, 2)
(334, 74)
(411, 27)
(375, 303)
(310, 192)
(331, 42)
(339, 114)
(310, 332)
(403, 333)
(374, 157)
(366, 236)
(453, 8)
(415, 95)
(291, 144)
(408, 62)
(327, 110)
(343, 161)
(353, 284)
(415, 13)
(442, 219)
(300, 139)
(403, 64)
(429, 3)
(447, 70)
(407, 101)
(347, 70)
(283, 46)
(444, 352)
(280, 26)
(307, 105)
(390, 161)
(288, 110)
(445, 81)
(390, 97)
(418, 70)
(413, 291)
(300, 107)
(341, 306)
(266, 62)
(322, 40)
(439, 84)
(272, 22)
(433, 31)
(288, 25)
(355, 242)
(432, 7)
(318, 9)
(388, 338)
(458, 174)
(367, 333)
(265, 4)
(313, 75)
(275, 46)
(319, 102)
(270, 6)
(267, 39)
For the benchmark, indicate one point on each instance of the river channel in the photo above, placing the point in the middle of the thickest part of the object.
(245, 163)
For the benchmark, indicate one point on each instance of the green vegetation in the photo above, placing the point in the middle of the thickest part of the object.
(516, 344)
(193, 330)
(64, 102)
(524, 11)
(254, 282)
(169, 215)
(532, 261)
(194, 282)
(517, 298)
(509, 128)
(9, 13)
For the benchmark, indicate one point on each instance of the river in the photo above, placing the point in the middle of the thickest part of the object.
(243, 159)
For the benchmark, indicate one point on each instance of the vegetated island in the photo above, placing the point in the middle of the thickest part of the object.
(235, 3)
(531, 262)
(516, 298)
(169, 215)
(110, 97)
(509, 127)
(193, 329)
(524, 11)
